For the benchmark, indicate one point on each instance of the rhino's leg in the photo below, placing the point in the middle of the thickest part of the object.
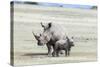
(54, 53)
(57, 53)
(66, 52)
(69, 49)
(49, 49)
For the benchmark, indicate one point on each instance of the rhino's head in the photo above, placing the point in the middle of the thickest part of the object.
(46, 26)
(42, 39)
(71, 41)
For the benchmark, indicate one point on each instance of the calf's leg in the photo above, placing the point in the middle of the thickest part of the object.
(66, 52)
(57, 53)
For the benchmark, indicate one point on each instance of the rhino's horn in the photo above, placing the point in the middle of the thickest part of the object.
(36, 36)
(42, 24)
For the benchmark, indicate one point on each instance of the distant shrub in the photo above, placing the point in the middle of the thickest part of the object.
(94, 7)
(33, 3)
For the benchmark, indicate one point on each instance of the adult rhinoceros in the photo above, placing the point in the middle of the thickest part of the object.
(52, 32)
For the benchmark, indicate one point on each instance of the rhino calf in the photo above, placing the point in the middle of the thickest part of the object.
(63, 45)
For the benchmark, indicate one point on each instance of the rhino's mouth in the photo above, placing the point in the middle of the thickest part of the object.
(40, 44)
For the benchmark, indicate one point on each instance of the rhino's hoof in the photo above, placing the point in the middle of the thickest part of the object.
(57, 55)
(49, 55)
(53, 55)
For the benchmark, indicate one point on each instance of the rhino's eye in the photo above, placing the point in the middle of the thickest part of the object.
(40, 34)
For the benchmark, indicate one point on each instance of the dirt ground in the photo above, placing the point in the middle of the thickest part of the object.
(80, 23)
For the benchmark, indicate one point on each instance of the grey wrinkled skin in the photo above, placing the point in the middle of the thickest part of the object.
(63, 45)
(54, 33)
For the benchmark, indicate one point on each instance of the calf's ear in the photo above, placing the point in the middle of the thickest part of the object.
(67, 37)
(72, 37)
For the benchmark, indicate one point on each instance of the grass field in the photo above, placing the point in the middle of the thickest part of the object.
(80, 23)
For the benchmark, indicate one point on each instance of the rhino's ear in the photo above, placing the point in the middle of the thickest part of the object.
(42, 24)
(49, 25)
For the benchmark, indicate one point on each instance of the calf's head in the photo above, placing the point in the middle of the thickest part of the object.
(70, 41)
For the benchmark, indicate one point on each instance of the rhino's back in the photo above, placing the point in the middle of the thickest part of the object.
(58, 32)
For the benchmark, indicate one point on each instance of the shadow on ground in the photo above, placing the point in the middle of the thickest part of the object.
(34, 54)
